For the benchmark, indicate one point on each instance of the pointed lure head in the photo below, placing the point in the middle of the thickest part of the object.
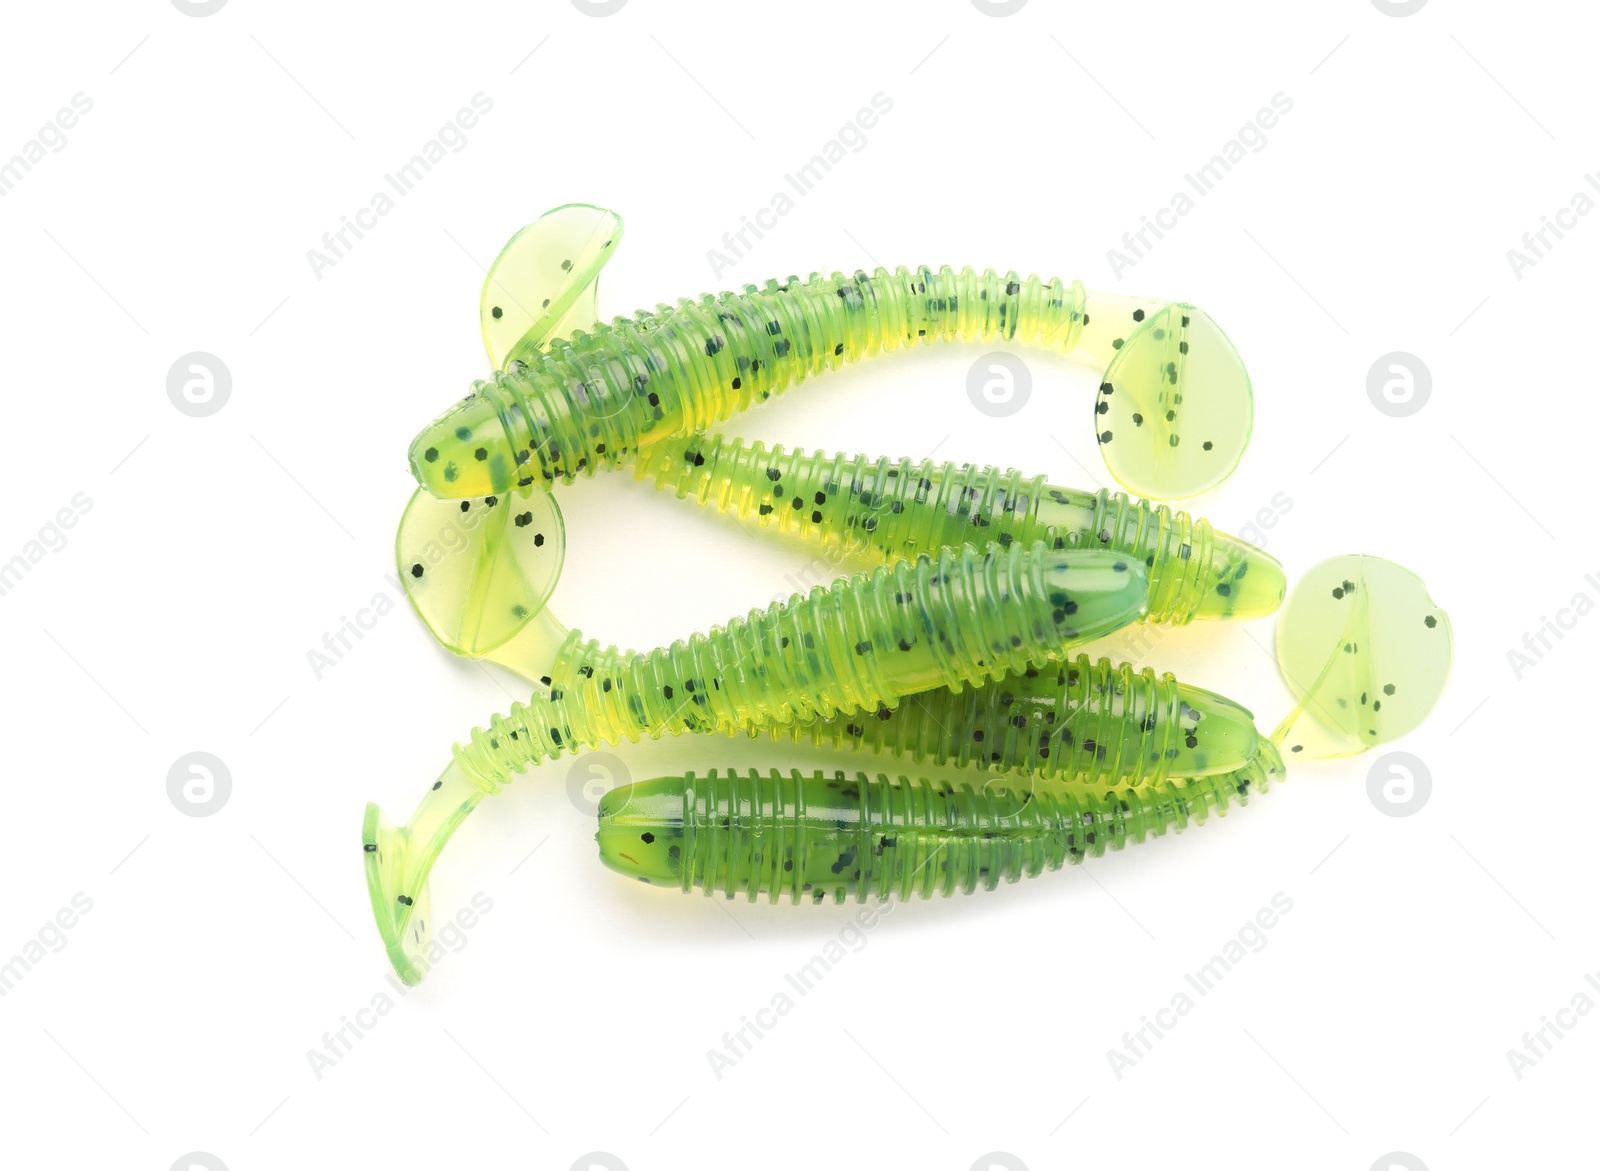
(1219, 735)
(469, 451)
(543, 285)
(1093, 592)
(641, 831)
(1240, 582)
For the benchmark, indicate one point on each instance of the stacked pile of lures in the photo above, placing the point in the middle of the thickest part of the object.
(957, 650)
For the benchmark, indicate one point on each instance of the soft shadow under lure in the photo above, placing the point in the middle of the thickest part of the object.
(569, 395)
(864, 642)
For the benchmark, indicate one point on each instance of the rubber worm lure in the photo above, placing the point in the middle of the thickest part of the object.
(1088, 722)
(820, 837)
(1361, 644)
(1173, 414)
(479, 573)
(477, 577)
(1363, 648)
(977, 639)
(899, 508)
(953, 620)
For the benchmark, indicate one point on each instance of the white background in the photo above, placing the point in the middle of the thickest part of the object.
(218, 551)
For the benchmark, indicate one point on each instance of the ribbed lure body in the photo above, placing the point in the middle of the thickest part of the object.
(594, 398)
(952, 621)
(836, 837)
(899, 508)
(1093, 722)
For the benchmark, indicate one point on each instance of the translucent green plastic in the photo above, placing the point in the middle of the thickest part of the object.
(477, 576)
(955, 652)
(545, 282)
(821, 837)
(1085, 755)
(1089, 722)
(1173, 414)
(478, 571)
(899, 508)
(861, 644)
(1366, 653)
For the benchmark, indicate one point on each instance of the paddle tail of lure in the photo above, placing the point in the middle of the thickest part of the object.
(899, 508)
(1365, 650)
(836, 837)
(594, 398)
(1091, 722)
(860, 644)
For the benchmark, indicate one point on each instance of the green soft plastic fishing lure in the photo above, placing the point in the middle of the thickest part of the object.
(861, 644)
(1362, 646)
(1115, 754)
(822, 838)
(479, 573)
(954, 652)
(1089, 722)
(1364, 651)
(569, 395)
(481, 549)
(898, 508)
